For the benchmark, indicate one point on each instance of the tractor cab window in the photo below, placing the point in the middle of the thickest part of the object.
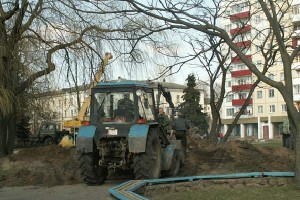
(114, 107)
(145, 104)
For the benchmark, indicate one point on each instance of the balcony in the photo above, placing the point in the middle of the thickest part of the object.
(240, 102)
(239, 73)
(244, 29)
(239, 16)
(236, 88)
(296, 81)
(295, 42)
(296, 65)
(237, 59)
(243, 44)
(296, 34)
(296, 97)
(295, 17)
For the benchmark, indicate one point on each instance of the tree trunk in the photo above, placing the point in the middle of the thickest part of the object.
(3, 137)
(7, 134)
(297, 161)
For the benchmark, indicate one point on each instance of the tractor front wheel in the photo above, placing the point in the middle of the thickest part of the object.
(148, 165)
(92, 173)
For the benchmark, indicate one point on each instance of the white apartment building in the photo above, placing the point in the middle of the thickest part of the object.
(267, 109)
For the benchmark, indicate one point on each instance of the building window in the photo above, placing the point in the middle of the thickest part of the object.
(258, 63)
(296, 10)
(281, 76)
(228, 83)
(271, 76)
(245, 50)
(271, 93)
(297, 57)
(272, 108)
(241, 67)
(257, 48)
(242, 81)
(229, 98)
(71, 101)
(297, 89)
(260, 109)
(259, 94)
(227, 27)
(178, 98)
(230, 112)
(243, 95)
(257, 19)
(283, 108)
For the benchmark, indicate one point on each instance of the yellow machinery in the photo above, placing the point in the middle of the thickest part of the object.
(81, 119)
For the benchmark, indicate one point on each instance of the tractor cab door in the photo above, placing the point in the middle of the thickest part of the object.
(146, 107)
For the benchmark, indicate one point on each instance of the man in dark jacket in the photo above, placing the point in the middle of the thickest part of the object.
(181, 125)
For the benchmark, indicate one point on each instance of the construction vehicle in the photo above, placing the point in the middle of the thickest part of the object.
(126, 139)
(50, 133)
(81, 118)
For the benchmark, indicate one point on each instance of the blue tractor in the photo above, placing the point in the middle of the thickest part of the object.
(124, 134)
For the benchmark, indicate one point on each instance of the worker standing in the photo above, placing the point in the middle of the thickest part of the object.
(181, 126)
(163, 120)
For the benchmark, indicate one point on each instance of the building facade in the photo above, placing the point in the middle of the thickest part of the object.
(267, 109)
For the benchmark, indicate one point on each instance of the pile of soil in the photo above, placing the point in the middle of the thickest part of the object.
(236, 156)
(53, 165)
(41, 166)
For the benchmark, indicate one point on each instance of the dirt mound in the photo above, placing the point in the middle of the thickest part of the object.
(233, 157)
(54, 165)
(47, 166)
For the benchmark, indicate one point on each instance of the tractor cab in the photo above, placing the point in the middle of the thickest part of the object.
(123, 103)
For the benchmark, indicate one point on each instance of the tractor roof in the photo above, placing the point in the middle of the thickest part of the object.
(123, 84)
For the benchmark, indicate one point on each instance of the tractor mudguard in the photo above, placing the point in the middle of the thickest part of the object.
(137, 138)
(85, 139)
(168, 156)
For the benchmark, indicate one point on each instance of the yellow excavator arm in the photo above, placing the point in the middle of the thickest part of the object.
(80, 117)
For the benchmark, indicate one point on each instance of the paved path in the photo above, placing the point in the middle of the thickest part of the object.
(65, 192)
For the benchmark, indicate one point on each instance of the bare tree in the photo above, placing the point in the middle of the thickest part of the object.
(39, 37)
(187, 15)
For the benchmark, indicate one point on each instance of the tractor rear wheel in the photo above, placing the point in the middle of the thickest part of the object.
(92, 173)
(148, 165)
(174, 170)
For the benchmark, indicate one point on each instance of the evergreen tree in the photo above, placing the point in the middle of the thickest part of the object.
(22, 118)
(191, 108)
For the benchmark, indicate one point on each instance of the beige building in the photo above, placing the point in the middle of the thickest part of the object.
(267, 109)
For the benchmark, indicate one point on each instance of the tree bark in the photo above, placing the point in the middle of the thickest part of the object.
(3, 137)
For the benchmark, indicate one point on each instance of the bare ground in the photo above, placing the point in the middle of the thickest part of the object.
(54, 165)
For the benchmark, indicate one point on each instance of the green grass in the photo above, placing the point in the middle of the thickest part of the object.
(247, 193)
(268, 143)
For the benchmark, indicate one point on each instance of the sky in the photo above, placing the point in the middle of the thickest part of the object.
(147, 70)
(180, 77)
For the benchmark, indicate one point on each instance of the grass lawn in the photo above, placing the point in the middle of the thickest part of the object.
(268, 143)
(249, 193)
